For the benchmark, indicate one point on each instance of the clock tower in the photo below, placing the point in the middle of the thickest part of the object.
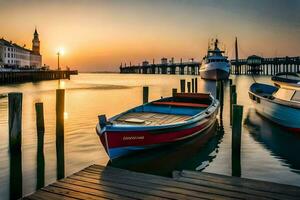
(36, 43)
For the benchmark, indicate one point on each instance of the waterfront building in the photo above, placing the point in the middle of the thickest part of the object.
(13, 55)
(164, 61)
(145, 63)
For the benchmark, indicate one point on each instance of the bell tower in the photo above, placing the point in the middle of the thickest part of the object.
(36, 43)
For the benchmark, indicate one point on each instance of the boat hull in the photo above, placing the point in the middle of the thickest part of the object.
(285, 116)
(215, 71)
(121, 143)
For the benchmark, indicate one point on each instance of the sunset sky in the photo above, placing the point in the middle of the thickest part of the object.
(98, 35)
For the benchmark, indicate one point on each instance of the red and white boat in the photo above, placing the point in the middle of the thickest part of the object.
(157, 123)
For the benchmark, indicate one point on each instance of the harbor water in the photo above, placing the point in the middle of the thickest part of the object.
(268, 152)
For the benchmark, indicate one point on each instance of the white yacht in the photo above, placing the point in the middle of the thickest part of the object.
(215, 66)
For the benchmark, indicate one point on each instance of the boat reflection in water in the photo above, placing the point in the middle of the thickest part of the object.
(282, 144)
(193, 154)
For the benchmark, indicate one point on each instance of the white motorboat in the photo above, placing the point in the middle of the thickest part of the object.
(280, 105)
(215, 66)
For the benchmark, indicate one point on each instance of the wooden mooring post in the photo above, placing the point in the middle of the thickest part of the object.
(60, 109)
(218, 90)
(189, 87)
(15, 144)
(193, 85)
(236, 139)
(182, 85)
(15, 121)
(174, 92)
(40, 126)
(231, 100)
(196, 85)
(145, 94)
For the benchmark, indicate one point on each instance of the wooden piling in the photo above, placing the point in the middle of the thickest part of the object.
(174, 91)
(60, 108)
(40, 126)
(182, 85)
(145, 94)
(189, 87)
(232, 90)
(15, 174)
(15, 121)
(236, 139)
(218, 90)
(193, 85)
(196, 85)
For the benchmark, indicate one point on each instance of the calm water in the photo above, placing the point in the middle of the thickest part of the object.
(268, 152)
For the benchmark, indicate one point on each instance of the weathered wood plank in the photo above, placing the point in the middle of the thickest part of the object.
(137, 192)
(86, 190)
(44, 195)
(71, 193)
(98, 182)
(222, 186)
(108, 187)
(166, 183)
(244, 182)
(144, 186)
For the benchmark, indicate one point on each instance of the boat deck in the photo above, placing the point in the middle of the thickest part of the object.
(149, 118)
(99, 182)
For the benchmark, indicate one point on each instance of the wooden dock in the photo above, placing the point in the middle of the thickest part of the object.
(21, 76)
(98, 182)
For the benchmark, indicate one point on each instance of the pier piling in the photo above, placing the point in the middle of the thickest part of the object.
(182, 85)
(145, 94)
(196, 85)
(189, 87)
(232, 90)
(15, 121)
(40, 126)
(236, 139)
(193, 85)
(174, 91)
(218, 90)
(60, 108)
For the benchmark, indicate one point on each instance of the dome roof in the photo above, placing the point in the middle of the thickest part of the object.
(254, 57)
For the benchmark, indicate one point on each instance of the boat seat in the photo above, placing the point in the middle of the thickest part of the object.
(180, 104)
(193, 95)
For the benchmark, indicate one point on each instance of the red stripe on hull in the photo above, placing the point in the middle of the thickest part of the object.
(294, 130)
(143, 138)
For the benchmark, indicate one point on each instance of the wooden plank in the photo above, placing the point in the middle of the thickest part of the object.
(98, 182)
(167, 184)
(107, 186)
(128, 189)
(44, 195)
(152, 118)
(144, 186)
(222, 186)
(87, 190)
(71, 193)
(276, 188)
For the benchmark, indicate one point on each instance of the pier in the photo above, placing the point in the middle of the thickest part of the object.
(99, 182)
(191, 68)
(20, 76)
(265, 66)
